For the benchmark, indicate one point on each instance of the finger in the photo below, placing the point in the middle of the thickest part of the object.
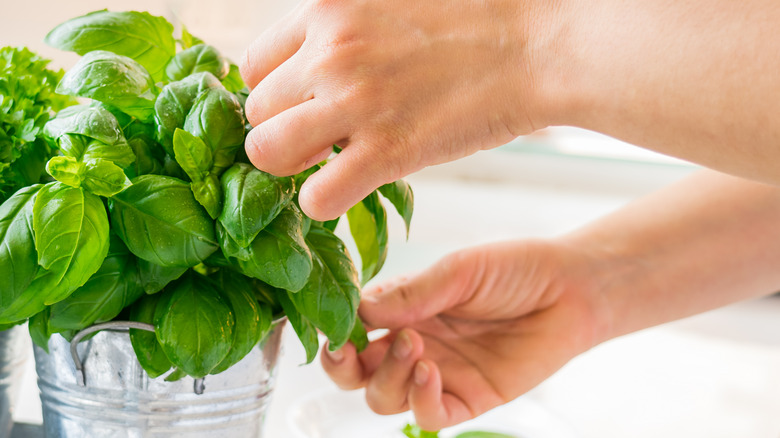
(387, 389)
(275, 45)
(403, 301)
(282, 89)
(350, 370)
(295, 139)
(351, 176)
(434, 409)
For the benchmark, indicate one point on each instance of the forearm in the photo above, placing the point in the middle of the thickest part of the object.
(696, 79)
(705, 242)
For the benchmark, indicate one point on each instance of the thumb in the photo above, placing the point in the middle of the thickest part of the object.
(403, 301)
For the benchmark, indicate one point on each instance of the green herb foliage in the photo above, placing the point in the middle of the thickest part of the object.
(153, 214)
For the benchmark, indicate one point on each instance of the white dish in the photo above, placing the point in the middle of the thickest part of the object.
(340, 414)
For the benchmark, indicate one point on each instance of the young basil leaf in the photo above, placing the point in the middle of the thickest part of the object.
(18, 259)
(148, 351)
(359, 336)
(208, 193)
(197, 59)
(113, 287)
(104, 178)
(93, 121)
(187, 39)
(231, 248)
(138, 35)
(279, 255)
(160, 221)
(192, 154)
(252, 200)
(174, 103)
(66, 170)
(218, 118)
(38, 326)
(71, 238)
(194, 325)
(304, 328)
(400, 194)
(331, 295)
(237, 291)
(146, 161)
(233, 81)
(368, 226)
(154, 277)
(113, 79)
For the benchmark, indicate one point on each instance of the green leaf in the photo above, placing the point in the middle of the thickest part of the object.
(18, 259)
(66, 170)
(113, 287)
(139, 35)
(147, 349)
(104, 178)
(218, 119)
(192, 154)
(208, 193)
(414, 431)
(147, 158)
(197, 59)
(331, 295)
(187, 39)
(39, 329)
(359, 336)
(113, 79)
(250, 319)
(400, 194)
(252, 200)
(233, 81)
(305, 330)
(175, 376)
(368, 225)
(160, 221)
(174, 103)
(279, 255)
(194, 325)
(104, 138)
(154, 277)
(71, 238)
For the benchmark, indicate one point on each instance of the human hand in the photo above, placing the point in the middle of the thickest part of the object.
(476, 330)
(398, 85)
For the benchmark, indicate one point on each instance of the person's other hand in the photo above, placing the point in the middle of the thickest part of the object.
(476, 330)
(399, 85)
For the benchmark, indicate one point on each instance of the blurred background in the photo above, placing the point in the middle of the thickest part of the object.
(714, 375)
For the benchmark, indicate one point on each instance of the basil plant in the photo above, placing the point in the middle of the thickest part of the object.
(154, 213)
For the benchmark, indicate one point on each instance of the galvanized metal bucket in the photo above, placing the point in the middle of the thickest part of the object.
(119, 400)
(13, 353)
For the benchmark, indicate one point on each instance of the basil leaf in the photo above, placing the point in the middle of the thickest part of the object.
(233, 82)
(194, 325)
(146, 161)
(197, 59)
(96, 123)
(331, 295)
(187, 39)
(252, 200)
(104, 178)
(113, 287)
(359, 336)
(400, 194)
(304, 328)
(231, 248)
(368, 226)
(138, 35)
(192, 154)
(154, 277)
(66, 170)
(279, 255)
(174, 103)
(250, 320)
(113, 79)
(38, 326)
(160, 221)
(414, 431)
(208, 193)
(176, 375)
(18, 259)
(148, 351)
(71, 238)
(218, 119)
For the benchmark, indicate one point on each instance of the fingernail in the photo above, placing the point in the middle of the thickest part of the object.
(402, 347)
(421, 373)
(336, 356)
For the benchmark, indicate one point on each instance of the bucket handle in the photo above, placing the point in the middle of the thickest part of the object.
(198, 386)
